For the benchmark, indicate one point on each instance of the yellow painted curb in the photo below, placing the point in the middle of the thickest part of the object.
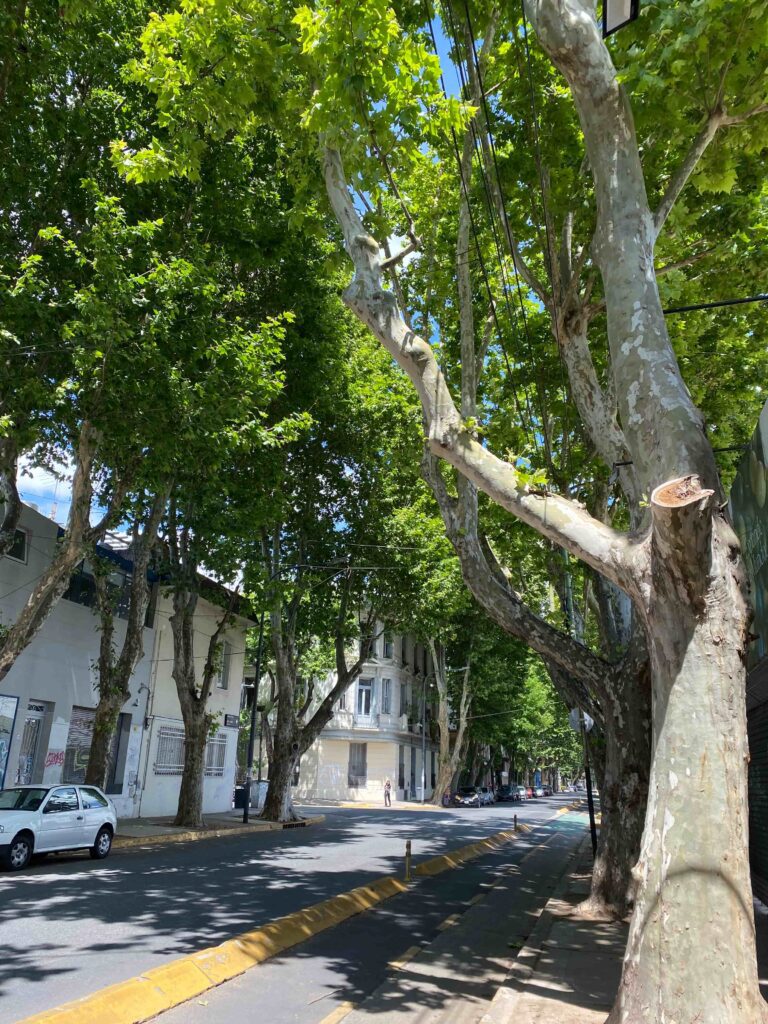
(126, 842)
(161, 988)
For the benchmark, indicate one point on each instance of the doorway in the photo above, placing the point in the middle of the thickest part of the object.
(30, 744)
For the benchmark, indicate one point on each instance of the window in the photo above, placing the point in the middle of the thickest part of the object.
(403, 699)
(357, 774)
(386, 696)
(215, 755)
(118, 754)
(62, 800)
(434, 778)
(401, 767)
(415, 657)
(222, 679)
(169, 758)
(91, 799)
(389, 646)
(343, 701)
(364, 694)
(18, 549)
(78, 746)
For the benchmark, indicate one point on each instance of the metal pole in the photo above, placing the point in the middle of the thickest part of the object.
(423, 739)
(254, 709)
(407, 860)
(588, 774)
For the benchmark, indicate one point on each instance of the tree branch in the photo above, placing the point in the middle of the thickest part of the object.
(553, 516)
(680, 178)
(492, 590)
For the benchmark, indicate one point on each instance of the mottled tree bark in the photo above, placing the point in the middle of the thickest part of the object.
(450, 754)
(296, 729)
(691, 955)
(69, 552)
(115, 673)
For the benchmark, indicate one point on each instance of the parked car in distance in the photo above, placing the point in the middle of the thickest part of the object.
(43, 819)
(486, 796)
(548, 791)
(529, 792)
(466, 796)
(538, 791)
(522, 792)
(507, 794)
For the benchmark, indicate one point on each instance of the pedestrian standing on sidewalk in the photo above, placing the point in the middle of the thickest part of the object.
(387, 793)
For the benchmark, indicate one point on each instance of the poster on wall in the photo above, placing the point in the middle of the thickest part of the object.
(8, 706)
(749, 509)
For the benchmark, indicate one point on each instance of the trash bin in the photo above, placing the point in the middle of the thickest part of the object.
(239, 798)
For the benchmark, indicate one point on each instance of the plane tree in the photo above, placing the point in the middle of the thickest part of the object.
(375, 103)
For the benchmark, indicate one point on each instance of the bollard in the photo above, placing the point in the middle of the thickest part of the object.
(407, 860)
(515, 823)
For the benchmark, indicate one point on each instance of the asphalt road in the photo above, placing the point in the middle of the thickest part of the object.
(69, 926)
(452, 980)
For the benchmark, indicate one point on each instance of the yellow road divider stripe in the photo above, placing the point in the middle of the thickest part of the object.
(408, 955)
(449, 922)
(341, 1011)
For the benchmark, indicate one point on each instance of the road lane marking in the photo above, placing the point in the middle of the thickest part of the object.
(408, 955)
(341, 1011)
(449, 922)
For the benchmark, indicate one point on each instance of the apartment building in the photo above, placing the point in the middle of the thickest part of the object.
(383, 728)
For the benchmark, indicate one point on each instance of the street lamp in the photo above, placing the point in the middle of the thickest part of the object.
(618, 13)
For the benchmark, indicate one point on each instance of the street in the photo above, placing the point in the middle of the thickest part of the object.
(71, 926)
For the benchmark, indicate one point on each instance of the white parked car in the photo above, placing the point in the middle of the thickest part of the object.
(41, 819)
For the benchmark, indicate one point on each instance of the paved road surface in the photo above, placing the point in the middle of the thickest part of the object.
(69, 926)
(451, 982)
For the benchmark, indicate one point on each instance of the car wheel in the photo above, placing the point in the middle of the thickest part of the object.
(103, 844)
(19, 853)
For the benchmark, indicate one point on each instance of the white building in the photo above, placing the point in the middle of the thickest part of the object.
(47, 699)
(376, 732)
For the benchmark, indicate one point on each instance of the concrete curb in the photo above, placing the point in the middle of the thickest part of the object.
(162, 988)
(126, 842)
(502, 1005)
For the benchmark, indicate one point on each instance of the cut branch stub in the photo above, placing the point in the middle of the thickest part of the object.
(682, 536)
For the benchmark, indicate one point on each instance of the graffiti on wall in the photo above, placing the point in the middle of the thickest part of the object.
(54, 758)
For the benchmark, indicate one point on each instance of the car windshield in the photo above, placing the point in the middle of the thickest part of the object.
(467, 790)
(21, 799)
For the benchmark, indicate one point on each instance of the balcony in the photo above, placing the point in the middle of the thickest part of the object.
(367, 721)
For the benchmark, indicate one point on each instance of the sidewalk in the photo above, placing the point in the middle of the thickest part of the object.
(569, 969)
(142, 831)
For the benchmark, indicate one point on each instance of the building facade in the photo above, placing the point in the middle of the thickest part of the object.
(383, 728)
(48, 698)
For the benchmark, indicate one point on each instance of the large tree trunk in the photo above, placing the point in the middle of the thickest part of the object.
(78, 535)
(189, 812)
(623, 796)
(115, 676)
(278, 805)
(105, 722)
(450, 754)
(691, 951)
(9, 493)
